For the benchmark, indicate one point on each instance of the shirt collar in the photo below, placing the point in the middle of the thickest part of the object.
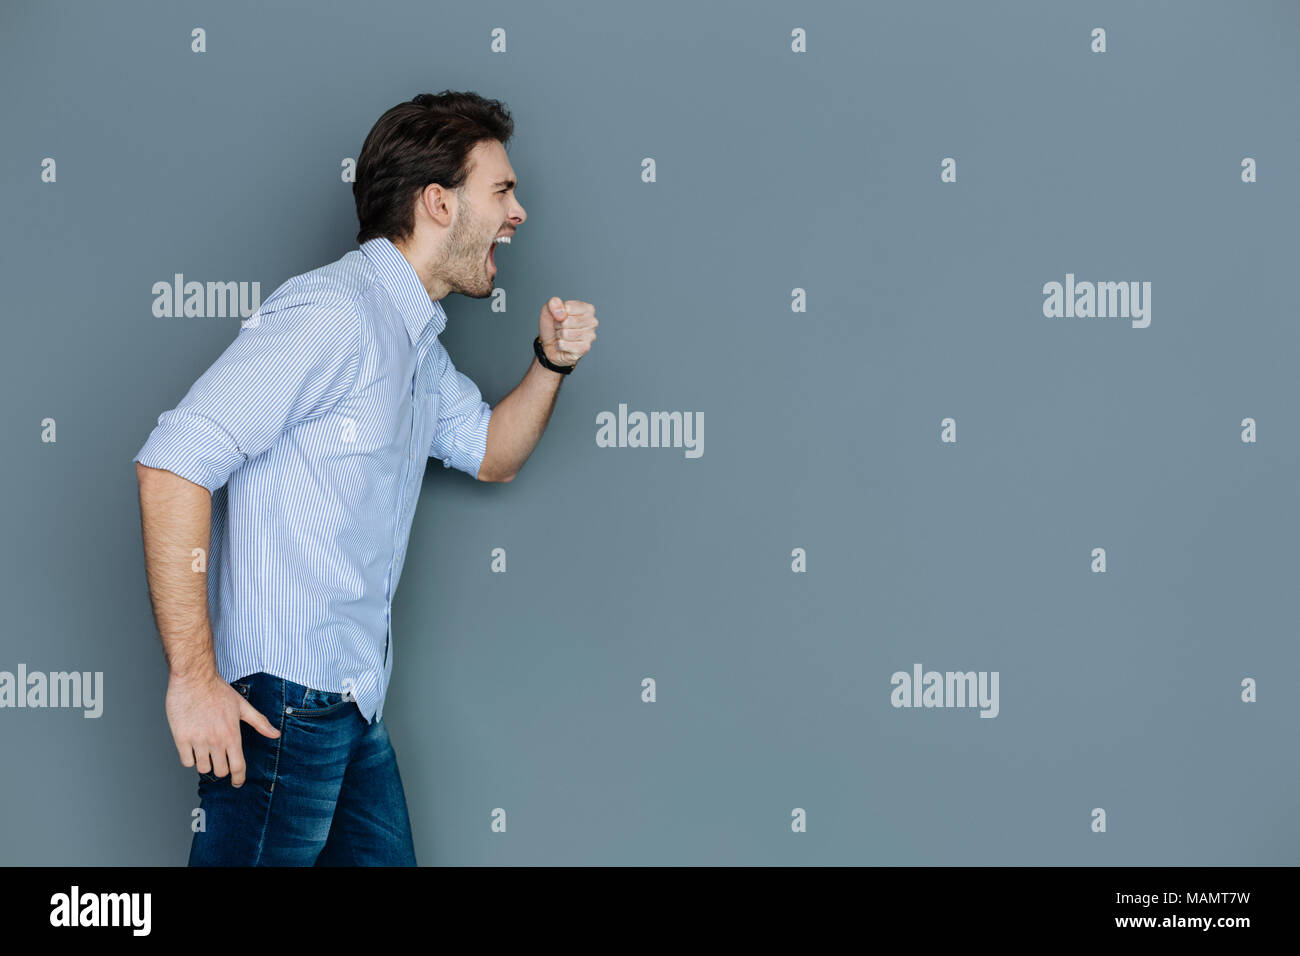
(404, 288)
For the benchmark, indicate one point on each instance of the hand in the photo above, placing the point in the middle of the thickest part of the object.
(204, 713)
(567, 330)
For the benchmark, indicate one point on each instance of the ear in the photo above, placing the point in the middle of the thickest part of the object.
(436, 203)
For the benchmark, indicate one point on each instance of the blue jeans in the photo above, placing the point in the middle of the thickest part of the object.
(326, 792)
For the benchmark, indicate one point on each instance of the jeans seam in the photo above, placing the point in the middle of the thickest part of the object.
(275, 770)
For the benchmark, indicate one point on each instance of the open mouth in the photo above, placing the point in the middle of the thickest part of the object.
(492, 249)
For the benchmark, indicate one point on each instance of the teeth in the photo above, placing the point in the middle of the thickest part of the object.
(505, 239)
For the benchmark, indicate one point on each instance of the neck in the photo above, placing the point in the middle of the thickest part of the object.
(436, 288)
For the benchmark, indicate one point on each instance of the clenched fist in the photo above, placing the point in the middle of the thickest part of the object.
(567, 330)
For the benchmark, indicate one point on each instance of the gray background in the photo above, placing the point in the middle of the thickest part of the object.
(775, 170)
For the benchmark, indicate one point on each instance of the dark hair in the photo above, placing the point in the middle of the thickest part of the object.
(427, 140)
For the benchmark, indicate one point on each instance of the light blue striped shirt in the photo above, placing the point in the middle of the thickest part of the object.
(318, 420)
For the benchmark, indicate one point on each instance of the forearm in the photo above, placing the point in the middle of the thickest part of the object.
(176, 518)
(518, 421)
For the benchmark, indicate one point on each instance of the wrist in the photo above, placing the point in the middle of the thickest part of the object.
(544, 356)
(194, 673)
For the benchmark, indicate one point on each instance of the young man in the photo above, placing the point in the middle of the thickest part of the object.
(294, 463)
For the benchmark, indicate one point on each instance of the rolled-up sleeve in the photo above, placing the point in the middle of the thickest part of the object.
(460, 437)
(300, 358)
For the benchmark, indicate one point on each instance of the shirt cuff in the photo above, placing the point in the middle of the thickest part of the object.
(194, 447)
(468, 450)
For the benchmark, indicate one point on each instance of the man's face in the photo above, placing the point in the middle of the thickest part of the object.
(486, 207)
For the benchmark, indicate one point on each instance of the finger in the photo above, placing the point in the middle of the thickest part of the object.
(254, 718)
(202, 762)
(186, 754)
(238, 768)
(219, 767)
(578, 307)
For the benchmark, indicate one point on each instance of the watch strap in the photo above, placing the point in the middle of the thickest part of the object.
(541, 357)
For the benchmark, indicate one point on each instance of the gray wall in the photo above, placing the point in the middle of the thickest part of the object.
(776, 170)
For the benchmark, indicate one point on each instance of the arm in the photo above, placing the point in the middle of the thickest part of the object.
(567, 330)
(203, 710)
(175, 518)
(518, 421)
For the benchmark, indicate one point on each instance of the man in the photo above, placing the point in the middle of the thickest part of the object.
(292, 469)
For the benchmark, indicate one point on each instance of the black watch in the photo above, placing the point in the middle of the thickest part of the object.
(541, 357)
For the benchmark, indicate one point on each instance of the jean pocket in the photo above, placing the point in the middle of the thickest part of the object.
(319, 703)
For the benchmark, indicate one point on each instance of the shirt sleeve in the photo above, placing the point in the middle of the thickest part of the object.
(460, 437)
(300, 358)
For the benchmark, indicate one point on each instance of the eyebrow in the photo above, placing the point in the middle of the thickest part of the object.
(505, 182)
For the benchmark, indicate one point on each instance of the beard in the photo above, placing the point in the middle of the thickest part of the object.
(464, 262)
